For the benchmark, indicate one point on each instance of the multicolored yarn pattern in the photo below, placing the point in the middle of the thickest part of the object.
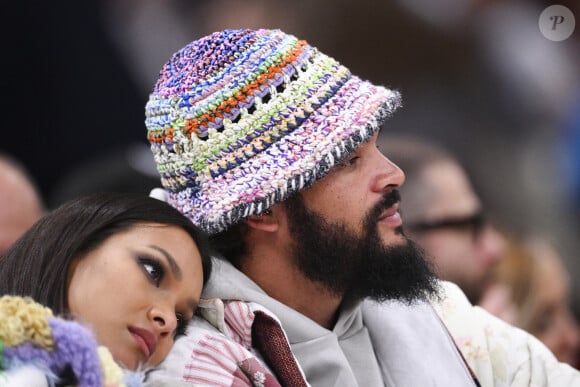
(30, 336)
(241, 119)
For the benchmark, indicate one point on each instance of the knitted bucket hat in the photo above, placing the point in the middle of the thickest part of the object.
(240, 120)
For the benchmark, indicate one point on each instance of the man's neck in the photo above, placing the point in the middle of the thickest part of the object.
(287, 284)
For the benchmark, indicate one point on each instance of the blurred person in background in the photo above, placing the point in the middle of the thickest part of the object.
(20, 202)
(444, 215)
(531, 290)
(511, 89)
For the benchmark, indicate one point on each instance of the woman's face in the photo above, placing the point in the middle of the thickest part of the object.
(551, 319)
(137, 290)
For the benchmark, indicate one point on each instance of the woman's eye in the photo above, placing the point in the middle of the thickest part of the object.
(181, 325)
(153, 269)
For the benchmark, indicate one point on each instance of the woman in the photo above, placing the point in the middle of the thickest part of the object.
(531, 290)
(128, 266)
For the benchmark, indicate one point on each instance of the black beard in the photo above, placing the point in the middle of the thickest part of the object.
(357, 267)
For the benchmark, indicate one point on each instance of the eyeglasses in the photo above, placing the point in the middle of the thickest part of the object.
(474, 223)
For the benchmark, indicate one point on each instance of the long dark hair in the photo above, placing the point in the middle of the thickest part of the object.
(37, 264)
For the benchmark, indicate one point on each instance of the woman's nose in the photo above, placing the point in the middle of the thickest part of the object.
(572, 330)
(491, 245)
(164, 319)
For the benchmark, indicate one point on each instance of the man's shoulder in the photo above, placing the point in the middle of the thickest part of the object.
(498, 353)
(222, 330)
(216, 349)
(204, 355)
(450, 299)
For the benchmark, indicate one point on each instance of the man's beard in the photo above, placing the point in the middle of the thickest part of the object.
(357, 267)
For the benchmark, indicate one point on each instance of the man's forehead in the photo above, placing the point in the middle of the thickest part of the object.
(451, 192)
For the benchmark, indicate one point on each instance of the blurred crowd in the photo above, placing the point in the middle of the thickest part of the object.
(477, 77)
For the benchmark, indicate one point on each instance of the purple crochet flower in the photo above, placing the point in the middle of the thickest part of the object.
(75, 347)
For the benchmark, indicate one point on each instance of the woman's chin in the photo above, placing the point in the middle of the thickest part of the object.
(126, 360)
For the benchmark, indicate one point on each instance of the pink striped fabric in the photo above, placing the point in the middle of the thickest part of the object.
(229, 359)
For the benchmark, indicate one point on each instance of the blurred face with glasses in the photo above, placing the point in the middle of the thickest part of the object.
(443, 214)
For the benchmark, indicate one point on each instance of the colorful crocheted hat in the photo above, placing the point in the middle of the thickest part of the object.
(240, 120)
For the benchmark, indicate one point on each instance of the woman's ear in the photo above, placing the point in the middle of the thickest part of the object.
(267, 221)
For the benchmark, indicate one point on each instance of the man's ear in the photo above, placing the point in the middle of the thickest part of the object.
(268, 221)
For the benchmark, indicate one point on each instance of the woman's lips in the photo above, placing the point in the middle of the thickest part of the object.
(145, 339)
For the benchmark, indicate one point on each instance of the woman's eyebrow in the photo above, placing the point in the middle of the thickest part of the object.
(175, 269)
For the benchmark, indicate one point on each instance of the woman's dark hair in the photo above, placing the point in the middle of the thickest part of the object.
(37, 264)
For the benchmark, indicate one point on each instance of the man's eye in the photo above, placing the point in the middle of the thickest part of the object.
(348, 162)
(153, 269)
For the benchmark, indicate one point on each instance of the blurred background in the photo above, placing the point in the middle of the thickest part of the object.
(477, 76)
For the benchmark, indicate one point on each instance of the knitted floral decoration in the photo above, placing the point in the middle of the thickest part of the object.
(30, 336)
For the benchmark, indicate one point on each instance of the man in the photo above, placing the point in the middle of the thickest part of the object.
(444, 215)
(20, 202)
(270, 146)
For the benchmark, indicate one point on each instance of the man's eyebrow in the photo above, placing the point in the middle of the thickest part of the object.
(175, 269)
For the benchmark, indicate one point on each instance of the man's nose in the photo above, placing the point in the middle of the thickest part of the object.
(388, 174)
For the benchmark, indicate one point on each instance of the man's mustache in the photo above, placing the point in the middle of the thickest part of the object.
(388, 200)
